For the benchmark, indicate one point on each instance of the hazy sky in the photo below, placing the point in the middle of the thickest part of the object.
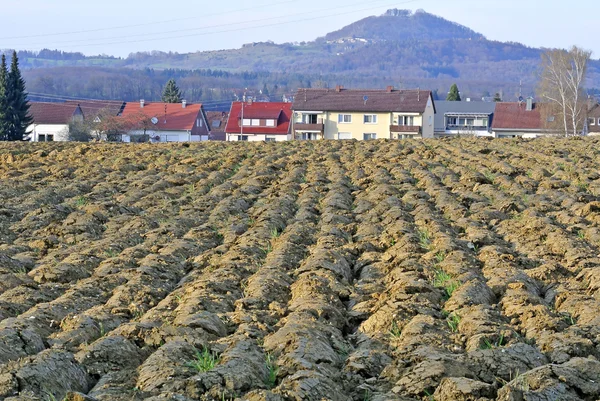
(119, 27)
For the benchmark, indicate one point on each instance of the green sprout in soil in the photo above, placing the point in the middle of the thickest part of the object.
(424, 240)
(111, 253)
(101, 329)
(395, 330)
(487, 344)
(568, 318)
(580, 234)
(204, 360)
(441, 279)
(272, 371)
(453, 320)
(267, 250)
(440, 256)
(275, 233)
(81, 201)
(367, 396)
(489, 176)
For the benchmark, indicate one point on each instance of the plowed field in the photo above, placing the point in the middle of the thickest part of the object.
(434, 270)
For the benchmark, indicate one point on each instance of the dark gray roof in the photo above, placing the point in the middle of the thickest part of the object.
(414, 101)
(444, 106)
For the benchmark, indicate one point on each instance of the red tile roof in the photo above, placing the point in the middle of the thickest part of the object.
(516, 116)
(170, 116)
(217, 120)
(362, 100)
(52, 113)
(280, 109)
(92, 108)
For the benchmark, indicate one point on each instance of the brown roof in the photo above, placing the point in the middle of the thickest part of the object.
(516, 116)
(92, 108)
(217, 120)
(362, 100)
(170, 116)
(52, 113)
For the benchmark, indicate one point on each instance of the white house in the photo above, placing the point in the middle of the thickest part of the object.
(51, 121)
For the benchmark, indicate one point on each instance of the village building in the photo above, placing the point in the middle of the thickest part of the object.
(51, 121)
(464, 118)
(526, 119)
(164, 122)
(259, 121)
(217, 121)
(363, 114)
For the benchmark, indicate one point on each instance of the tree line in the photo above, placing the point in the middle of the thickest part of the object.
(14, 106)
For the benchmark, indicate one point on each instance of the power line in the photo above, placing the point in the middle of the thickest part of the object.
(144, 24)
(252, 27)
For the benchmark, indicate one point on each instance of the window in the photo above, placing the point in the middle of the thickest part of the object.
(270, 138)
(369, 136)
(198, 122)
(242, 137)
(216, 123)
(344, 135)
(370, 119)
(550, 119)
(49, 138)
(309, 136)
(406, 120)
(270, 123)
(591, 121)
(309, 119)
(344, 118)
(255, 122)
(246, 122)
(430, 120)
(41, 138)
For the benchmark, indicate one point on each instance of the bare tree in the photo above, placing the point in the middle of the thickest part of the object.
(563, 74)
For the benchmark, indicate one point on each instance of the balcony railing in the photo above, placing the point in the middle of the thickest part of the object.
(309, 127)
(405, 128)
(455, 127)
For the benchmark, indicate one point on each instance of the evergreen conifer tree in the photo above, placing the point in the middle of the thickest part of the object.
(497, 97)
(171, 93)
(454, 94)
(3, 102)
(16, 118)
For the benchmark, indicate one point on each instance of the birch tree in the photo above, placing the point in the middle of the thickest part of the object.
(563, 75)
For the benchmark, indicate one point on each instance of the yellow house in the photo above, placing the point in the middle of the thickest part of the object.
(363, 114)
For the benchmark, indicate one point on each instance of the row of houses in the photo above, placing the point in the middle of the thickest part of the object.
(315, 114)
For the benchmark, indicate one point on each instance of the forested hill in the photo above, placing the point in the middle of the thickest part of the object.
(399, 48)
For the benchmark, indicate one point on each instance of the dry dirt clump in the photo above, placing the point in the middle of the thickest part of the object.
(464, 270)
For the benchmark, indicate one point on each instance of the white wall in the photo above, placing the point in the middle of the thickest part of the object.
(258, 138)
(166, 136)
(428, 120)
(60, 131)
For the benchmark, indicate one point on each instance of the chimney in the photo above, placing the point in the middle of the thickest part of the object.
(142, 101)
(339, 88)
(529, 106)
(183, 103)
(389, 88)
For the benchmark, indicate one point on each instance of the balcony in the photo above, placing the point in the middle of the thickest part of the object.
(309, 127)
(414, 129)
(455, 127)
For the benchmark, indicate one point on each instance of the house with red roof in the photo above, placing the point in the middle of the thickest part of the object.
(526, 119)
(363, 114)
(164, 122)
(217, 121)
(259, 121)
(51, 120)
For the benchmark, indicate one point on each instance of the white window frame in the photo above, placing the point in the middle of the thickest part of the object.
(270, 123)
(246, 122)
(255, 122)
(342, 118)
(403, 120)
(591, 121)
(368, 136)
(372, 117)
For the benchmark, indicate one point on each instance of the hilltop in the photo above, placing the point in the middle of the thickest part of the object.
(400, 47)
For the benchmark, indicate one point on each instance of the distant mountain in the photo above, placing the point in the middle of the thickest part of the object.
(404, 25)
(399, 48)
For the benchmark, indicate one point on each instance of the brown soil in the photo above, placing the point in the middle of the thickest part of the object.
(343, 271)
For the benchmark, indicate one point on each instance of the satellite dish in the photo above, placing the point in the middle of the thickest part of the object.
(365, 98)
(154, 120)
(521, 98)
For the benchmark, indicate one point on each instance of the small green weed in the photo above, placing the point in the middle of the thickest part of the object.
(395, 330)
(275, 233)
(204, 360)
(101, 329)
(267, 249)
(487, 344)
(441, 279)
(111, 253)
(425, 240)
(580, 234)
(453, 320)
(272, 371)
(440, 257)
(81, 201)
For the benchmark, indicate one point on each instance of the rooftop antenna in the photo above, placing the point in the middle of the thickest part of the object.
(365, 98)
(418, 94)
(520, 90)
